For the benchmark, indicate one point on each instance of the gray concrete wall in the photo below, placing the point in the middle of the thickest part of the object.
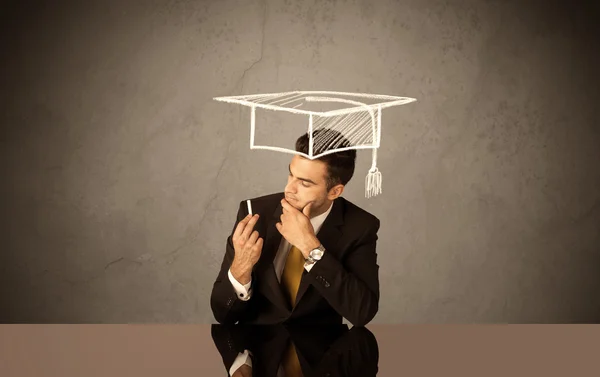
(121, 176)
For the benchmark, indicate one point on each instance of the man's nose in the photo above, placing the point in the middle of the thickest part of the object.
(290, 187)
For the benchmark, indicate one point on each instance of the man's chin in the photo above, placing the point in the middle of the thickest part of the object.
(296, 205)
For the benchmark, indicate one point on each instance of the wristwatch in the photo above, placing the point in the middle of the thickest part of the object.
(315, 255)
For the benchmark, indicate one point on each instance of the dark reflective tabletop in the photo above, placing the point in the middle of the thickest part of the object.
(291, 351)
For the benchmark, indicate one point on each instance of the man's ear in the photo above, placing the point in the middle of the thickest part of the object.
(335, 192)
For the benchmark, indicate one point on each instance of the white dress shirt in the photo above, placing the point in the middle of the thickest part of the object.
(244, 292)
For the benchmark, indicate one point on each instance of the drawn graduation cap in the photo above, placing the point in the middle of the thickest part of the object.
(356, 117)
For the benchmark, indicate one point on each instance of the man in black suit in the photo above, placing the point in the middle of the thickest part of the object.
(307, 255)
(289, 351)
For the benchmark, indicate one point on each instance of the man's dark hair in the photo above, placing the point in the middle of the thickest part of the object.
(340, 165)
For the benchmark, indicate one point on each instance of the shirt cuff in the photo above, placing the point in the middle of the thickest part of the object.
(308, 266)
(243, 291)
(241, 359)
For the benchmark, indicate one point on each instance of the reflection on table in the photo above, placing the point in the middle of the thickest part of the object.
(290, 351)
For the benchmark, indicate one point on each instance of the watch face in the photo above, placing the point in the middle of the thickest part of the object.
(316, 254)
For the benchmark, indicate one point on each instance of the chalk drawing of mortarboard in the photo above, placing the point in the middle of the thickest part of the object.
(354, 118)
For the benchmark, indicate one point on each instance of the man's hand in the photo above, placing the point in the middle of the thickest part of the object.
(243, 371)
(248, 247)
(296, 228)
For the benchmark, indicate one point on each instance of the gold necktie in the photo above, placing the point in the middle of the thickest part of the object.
(291, 363)
(292, 273)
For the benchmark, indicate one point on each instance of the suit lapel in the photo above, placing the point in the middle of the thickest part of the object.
(329, 235)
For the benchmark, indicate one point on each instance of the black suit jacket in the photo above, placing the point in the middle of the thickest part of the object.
(344, 283)
(323, 350)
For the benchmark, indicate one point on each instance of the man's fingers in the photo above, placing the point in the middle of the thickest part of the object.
(286, 206)
(240, 226)
(257, 248)
(249, 227)
(253, 238)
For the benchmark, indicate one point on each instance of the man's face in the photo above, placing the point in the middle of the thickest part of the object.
(307, 183)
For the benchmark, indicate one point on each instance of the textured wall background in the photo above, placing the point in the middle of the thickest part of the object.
(121, 177)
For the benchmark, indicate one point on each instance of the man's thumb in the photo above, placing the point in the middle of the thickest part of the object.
(306, 210)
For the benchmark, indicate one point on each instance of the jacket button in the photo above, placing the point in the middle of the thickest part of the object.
(326, 284)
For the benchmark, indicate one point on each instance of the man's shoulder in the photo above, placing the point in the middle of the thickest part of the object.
(353, 214)
(265, 203)
(268, 198)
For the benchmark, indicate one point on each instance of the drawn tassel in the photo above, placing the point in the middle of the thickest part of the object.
(373, 180)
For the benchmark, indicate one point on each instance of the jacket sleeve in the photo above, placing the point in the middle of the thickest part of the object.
(232, 343)
(351, 287)
(227, 308)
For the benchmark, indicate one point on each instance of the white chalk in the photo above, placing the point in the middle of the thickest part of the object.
(249, 207)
